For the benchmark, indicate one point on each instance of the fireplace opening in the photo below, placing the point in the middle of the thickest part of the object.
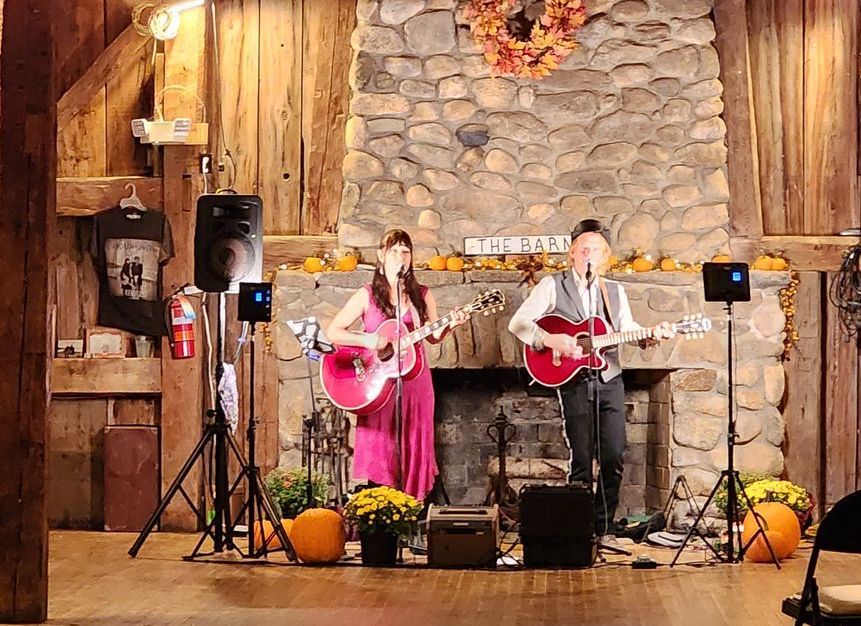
(468, 400)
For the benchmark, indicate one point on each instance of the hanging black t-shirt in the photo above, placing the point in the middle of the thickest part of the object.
(129, 248)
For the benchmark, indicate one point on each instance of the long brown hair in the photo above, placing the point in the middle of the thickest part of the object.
(380, 286)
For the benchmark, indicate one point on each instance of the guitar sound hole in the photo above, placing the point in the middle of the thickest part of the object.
(386, 353)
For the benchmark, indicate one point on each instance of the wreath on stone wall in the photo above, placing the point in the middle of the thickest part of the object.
(550, 38)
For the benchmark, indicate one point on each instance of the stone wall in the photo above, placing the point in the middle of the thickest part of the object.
(627, 130)
(698, 367)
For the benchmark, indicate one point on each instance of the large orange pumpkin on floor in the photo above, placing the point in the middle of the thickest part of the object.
(263, 530)
(318, 536)
(781, 527)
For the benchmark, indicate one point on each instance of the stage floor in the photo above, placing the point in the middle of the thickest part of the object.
(92, 580)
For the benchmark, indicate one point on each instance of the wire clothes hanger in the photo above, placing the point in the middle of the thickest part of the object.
(132, 202)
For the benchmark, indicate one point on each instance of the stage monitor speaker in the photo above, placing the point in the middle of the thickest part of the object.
(726, 282)
(462, 536)
(228, 242)
(557, 526)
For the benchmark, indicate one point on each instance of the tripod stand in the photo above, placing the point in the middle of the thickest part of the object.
(734, 485)
(221, 529)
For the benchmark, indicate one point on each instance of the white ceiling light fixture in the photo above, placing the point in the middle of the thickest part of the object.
(161, 21)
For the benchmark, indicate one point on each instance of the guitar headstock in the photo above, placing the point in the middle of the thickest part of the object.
(487, 303)
(693, 326)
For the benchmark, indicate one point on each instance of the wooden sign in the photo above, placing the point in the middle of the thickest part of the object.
(517, 244)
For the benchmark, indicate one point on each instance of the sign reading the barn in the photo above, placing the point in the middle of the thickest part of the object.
(516, 244)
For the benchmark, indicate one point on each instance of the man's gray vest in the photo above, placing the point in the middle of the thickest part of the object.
(570, 304)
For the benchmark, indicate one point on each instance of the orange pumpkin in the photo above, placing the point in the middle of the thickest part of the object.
(777, 520)
(612, 262)
(758, 552)
(668, 265)
(264, 531)
(437, 263)
(318, 536)
(721, 258)
(779, 264)
(763, 262)
(348, 263)
(313, 264)
(642, 264)
(454, 264)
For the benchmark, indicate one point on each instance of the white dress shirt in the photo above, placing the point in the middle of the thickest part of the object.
(542, 300)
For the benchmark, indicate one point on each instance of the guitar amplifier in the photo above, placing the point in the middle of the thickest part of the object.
(462, 536)
(557, 526)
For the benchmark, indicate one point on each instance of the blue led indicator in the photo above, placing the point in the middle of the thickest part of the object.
(258, 297)
(736, 277)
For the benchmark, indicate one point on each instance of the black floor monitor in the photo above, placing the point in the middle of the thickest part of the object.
(726, 282)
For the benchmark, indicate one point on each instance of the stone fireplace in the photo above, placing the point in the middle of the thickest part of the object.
(676, 392)
(628, 131)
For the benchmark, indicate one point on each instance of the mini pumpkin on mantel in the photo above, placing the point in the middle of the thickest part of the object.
(318, 536)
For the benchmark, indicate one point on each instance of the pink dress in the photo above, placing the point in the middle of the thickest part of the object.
(375, 457)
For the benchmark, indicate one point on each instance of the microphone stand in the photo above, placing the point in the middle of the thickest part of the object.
(594, 405)
(399, 383)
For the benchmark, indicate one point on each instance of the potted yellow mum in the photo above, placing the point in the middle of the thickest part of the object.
(382, 514)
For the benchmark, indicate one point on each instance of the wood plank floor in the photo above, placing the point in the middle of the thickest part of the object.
(93, 581)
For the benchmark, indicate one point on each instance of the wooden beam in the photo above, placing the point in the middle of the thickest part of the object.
(291, 249)
(182, 380)
(28, 160)
(84, 197)
(106, 376)
(326, 97)
(840, 427)
(126, 45)
(823, 254)
(803, 398)
(745, 204)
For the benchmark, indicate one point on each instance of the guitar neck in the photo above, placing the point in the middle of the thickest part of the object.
(630, 336)
(427, 330)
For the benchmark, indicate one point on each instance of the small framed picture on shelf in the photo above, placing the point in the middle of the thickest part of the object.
(105, 343)
(69, 349)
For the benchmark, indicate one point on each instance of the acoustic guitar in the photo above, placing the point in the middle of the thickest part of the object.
(362, 380)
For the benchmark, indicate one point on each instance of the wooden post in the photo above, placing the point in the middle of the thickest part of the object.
(27, 216)
(731, 43)
(182, 380)
(802, 405)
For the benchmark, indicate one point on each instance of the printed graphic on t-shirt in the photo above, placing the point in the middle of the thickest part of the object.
(132, 268)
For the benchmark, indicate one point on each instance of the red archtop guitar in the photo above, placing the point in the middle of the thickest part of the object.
(362, 380)
(551, 369)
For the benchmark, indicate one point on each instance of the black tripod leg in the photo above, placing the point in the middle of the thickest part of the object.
(699, 518)
(171, 492)
(759, 530)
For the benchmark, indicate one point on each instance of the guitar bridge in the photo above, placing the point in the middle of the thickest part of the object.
(359, 368)
(557, 358)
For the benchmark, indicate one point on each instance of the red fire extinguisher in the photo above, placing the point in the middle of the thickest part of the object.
(181, 330)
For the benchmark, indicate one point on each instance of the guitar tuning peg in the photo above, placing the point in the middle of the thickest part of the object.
(486, 313)
(501, 307)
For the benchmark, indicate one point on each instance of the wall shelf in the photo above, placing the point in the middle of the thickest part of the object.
(106, 376)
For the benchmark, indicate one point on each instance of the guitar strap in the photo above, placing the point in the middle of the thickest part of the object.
(606, 297)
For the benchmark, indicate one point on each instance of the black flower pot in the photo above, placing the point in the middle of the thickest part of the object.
(379, 548)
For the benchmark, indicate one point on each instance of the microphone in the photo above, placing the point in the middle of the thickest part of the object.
(588, 271)
(402, 272)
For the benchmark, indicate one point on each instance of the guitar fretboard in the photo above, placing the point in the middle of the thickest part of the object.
(427, 330)
(612, 339)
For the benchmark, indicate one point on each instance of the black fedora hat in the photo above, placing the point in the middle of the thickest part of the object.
(590, 226)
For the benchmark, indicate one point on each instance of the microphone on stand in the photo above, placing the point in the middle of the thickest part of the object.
(588, 272)
(402, 272)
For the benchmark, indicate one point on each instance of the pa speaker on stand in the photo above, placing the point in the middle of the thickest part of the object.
(228, 250)
(228, 242)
